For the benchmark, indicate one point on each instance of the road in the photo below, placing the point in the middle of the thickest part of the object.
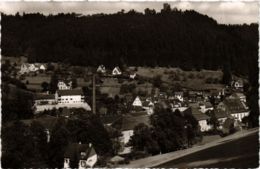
(238, 153)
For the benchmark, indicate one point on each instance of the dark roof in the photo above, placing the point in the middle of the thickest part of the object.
(70, 92)
(220, 113)
(42, 96)
(196, 113)
(74, 150)
(129, 122)
(234, 106)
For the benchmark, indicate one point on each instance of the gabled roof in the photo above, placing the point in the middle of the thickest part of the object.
(234, 106)
(129, 122)
(72, 92)
(196, 113)
(220, 113)
(76, 151)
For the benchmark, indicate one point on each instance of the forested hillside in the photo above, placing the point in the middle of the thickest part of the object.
(171, 37)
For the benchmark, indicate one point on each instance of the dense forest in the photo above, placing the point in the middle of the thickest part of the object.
(171, 37)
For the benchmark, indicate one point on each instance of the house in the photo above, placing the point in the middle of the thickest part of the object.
(62, 98)
(179, 95)
(34, 67)
(64, 85)
(205, 106)
(132, 75)
(238, 95)
(220, 115)
(200, 117)
(148, 105)
(234, 107)
(101, 69)
(195, 96)
(74, 96)
(82, 154)
(181, 106)
(127, 126)
(116, 71)
(137, 102)
(237, 84)
(43, 99)
(43, 67)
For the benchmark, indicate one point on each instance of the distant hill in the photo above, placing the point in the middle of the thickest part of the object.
(185, 39)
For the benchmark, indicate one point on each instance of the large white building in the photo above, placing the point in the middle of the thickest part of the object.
(70, 96)
(62, 98)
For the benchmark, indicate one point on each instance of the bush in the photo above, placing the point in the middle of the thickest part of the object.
(200, 75)
(209, 80)
(191, 76)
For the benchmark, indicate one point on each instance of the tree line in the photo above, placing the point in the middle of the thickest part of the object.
(171, 37)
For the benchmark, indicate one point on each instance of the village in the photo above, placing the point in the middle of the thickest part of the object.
(123, 97)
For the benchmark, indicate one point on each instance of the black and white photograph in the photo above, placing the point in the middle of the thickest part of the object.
(128, 84)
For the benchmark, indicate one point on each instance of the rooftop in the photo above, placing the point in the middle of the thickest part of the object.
(41, 96)
(129, 122)
(72, 92)
(196, 113)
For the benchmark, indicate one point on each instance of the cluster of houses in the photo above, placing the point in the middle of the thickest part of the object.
(196, 103)
(115, 72)
(32, 68)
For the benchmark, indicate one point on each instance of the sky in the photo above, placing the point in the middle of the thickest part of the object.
(228, 12)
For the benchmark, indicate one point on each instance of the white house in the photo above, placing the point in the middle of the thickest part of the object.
(200, 117)
(116, 71)
(148, 105)
(27, 67)
(137, 102)
(132, 75)
(179, 96)
(70, 96)
(101, 69)
(234, 107)
(42, 67)
(62, 85)
(83, 153)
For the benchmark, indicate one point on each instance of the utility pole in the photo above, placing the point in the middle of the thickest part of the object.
(94, 94)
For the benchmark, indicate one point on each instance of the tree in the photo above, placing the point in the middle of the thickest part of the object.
(142, 140)
(59, 140)
(18, 152)
(53, 83)
(213, 119)
(45, 86)
(227, 77)
(157, 81)
(40, 140)
(74, 83)
(148, 11)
